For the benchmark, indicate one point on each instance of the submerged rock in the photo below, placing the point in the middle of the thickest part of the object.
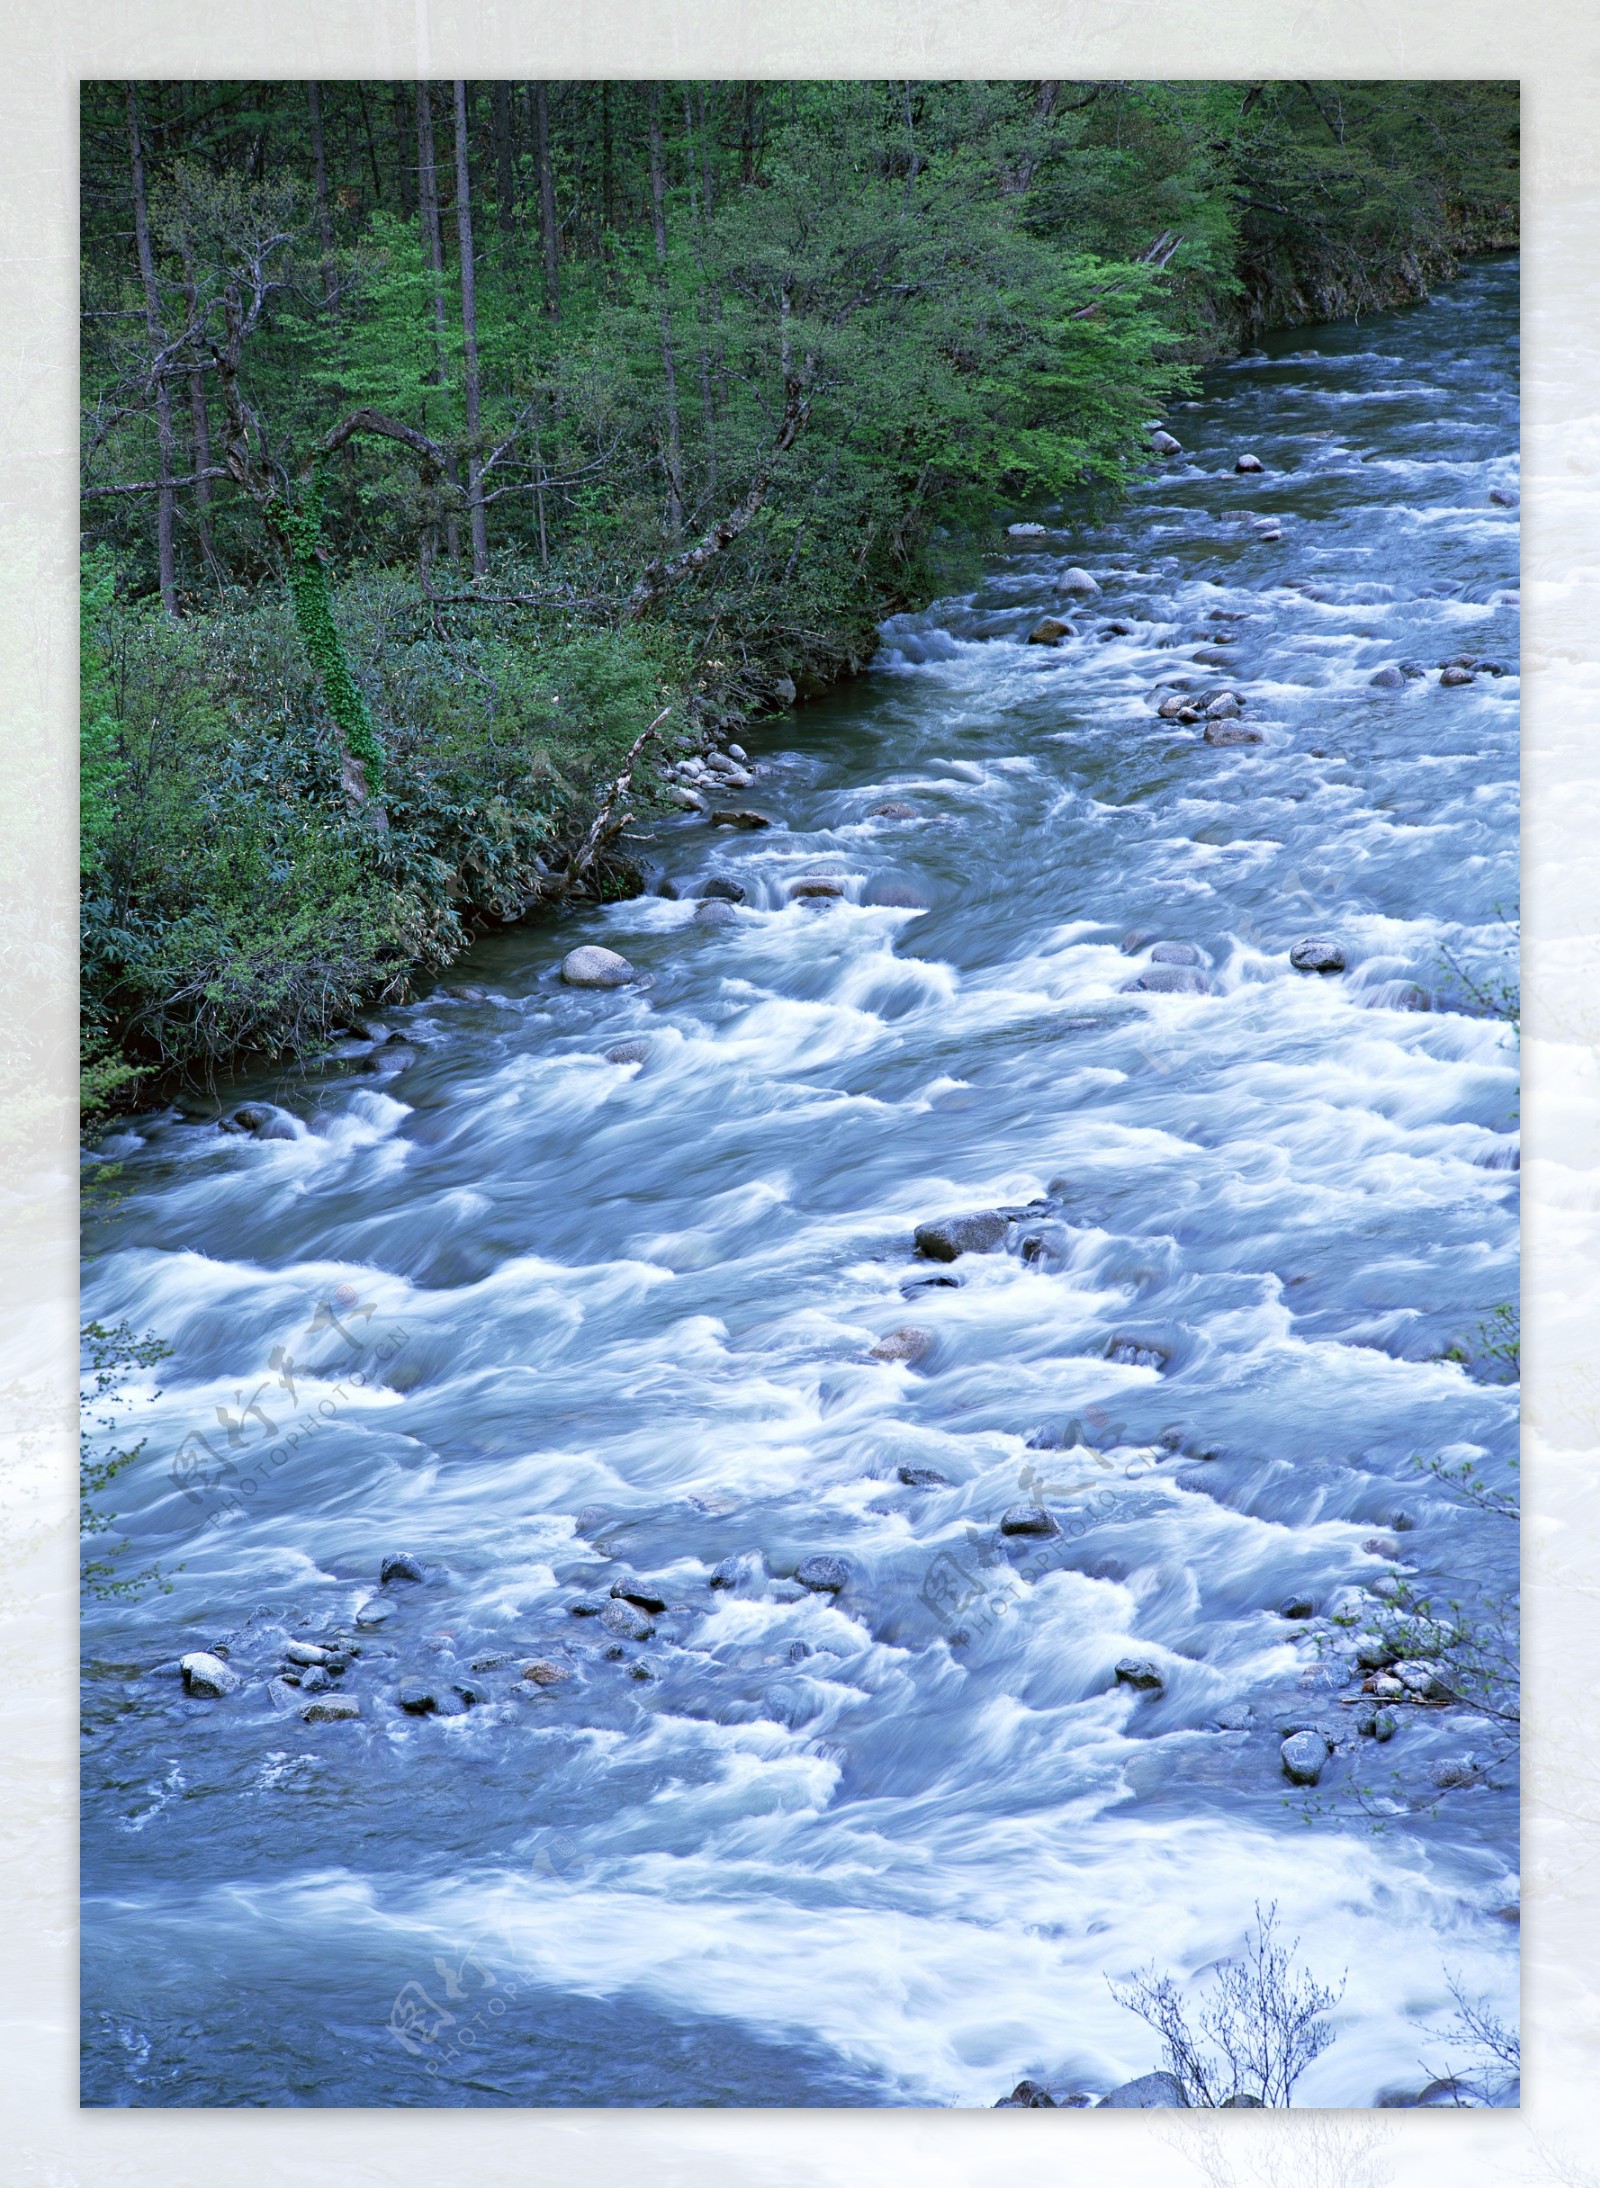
(733, 1571)
(629, 1052)
(1317, 954)
(544, 1671)
(1388, 679)
(593, 967)
(893, 810)
(1305, 1756)
(947, 1237)
(1297, 1606)
(1505, 497)
(740, 817)
(400, 1565)
(208, 1676)
(1174, 953)
(823, 1575)
(1168, 980)
(715, 912)
(259, 1121)
(1231, 733)
(921, 1477)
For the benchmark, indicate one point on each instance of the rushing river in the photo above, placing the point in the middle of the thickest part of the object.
(541, 1319)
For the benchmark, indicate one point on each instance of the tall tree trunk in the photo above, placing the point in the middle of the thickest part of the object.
(433, 246)
(608, 205)
(404, 153)
(708, 408)
(199, 422)
(749, 130)
(166, 568)
(669, 370)
(319, 165)
(504, 188)
(372, 148)
(547, 200)
(469, 340)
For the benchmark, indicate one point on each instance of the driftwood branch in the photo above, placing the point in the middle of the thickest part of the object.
(608, 823)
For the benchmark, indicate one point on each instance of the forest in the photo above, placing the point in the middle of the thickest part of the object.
(457, 454)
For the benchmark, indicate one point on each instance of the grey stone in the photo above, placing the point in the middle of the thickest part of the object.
(1388, 679)
(1232, 733)
(1456, 1771)
(1297, 1606)
(908, 1345)
(626, 1621)
(373, 1613)
(1026, 531)
(587, 1606)
(1373, 1652)
(544, 1671)
(720, 887)
(259, 1121)
(593, 967)
(893, 810)
(208, 1676)
(400, 1565)
(823, 1575)
(1140, 1672)
(947, 1237)
(1505, 497)
(333, 1709)
(282, 1695)
(1076, 581)
(1049, 631)
(1225, 709)
(1168, 980)
(1455, 675)
(1025, 2094)
(1174, 953)
(629, 1052)
(815, 885)
(1150, 2093)
(740, 817)
(921, 1477)
(1248, 464)
(1164, 444)
(1316, 954)
(1244, 2099)
(629, 1590)
(1027, 1519)
(1305, 1756)
(314, 1680)
(731, 1572)
(715, 912)
(307, 1652)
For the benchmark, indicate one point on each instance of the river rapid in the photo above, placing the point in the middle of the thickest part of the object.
(542, 1320)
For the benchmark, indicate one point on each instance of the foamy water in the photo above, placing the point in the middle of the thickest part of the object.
(542, 1319)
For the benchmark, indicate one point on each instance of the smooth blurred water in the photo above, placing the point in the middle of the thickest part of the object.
(614, 1318)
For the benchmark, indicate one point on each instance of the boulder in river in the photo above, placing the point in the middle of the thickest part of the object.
(373, 1613)
(740, 817)
(715, 912)
(1248, 464)
(815, 885)
(823, 1575)
(1026, 531)
(1177, 704)
(544, 1671)
(1297, 1606)
(1164, 444)
(909, 1345)
(629, 1052)
(732, 1571)
(947, 1237)
(1076, 581)
(1225, 709)
(921, 1477)
(1141, 1672)
(1150, 2093)
(1505, 497)
(590, 966)
(1455, 674)
(1388, 679)
(331, 1709)
(1317, 954)
(626, 1621)
(259, 1121)
(307, 1652)
(1049, 631)
(1305, 1756)
(643, 1592)
(1027, 1519)
(1168, 980)
(893, 810)
(400, 1565)
(720, 886)
(208, 1676)
(1025, 2094)
(1174, 953)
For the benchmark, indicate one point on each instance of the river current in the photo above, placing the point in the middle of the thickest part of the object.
(542, 1320)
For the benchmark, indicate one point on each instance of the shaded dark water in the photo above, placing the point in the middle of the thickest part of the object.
(543, 1319)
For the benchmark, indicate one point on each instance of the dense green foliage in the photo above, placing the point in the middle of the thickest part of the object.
(437, 437)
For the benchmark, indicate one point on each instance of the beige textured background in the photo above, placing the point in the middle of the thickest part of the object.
(47, 45)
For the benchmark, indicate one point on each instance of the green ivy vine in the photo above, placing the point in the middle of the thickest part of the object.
(301, 531)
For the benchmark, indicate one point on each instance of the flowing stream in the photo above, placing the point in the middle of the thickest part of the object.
(540, 1319)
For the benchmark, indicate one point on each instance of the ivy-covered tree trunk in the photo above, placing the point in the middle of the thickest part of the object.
(360, 754)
